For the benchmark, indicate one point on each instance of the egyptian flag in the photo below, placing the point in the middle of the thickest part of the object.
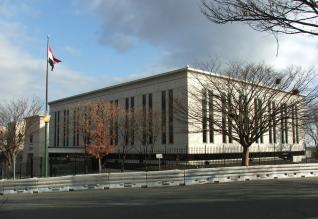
(52, 59)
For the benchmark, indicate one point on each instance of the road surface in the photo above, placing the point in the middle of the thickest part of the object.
(291, 198)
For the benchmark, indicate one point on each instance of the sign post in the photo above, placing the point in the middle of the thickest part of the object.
(159, 156)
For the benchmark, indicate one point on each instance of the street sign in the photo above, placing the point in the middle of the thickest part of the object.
(159, 156)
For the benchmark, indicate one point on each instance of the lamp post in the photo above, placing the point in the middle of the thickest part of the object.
(46, 121)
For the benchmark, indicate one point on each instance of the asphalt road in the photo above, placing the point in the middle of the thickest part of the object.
(293, 198)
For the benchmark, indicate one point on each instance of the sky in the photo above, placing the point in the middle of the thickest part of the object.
(106, 42)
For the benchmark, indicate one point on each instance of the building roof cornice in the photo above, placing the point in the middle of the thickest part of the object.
(122, 84)
(185, 69)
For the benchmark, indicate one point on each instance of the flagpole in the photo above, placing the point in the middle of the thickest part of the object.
(47, 74)
(46, 118)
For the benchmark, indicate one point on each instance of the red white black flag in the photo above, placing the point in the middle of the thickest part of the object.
(52, 59)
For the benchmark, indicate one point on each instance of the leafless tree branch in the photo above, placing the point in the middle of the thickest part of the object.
(275, 16)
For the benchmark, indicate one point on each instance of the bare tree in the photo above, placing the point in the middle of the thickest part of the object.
(311, 126)
(275, 16)
(148, 128)
(126, 127)
(247, 101)
(13, 126)
(95, 126)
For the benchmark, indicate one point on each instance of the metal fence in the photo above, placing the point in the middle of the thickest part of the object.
(173, 158)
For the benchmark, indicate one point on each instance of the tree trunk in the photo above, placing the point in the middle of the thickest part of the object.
(123, 158)
(316, 145)
(7, 169)
(99, 165)
(245, 156)
(14, 167)
(122, 168)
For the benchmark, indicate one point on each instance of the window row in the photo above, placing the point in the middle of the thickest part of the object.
(147, 122)
(285, 118)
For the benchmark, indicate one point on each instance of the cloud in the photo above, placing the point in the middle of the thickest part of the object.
(72, 51)
(297, 50)
(182, 35)
(11, 8)
(23, 75)
(176, 31)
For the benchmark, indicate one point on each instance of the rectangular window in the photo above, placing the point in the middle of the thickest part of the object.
(293, 125)
(77, 127)
(58, 129)
(116, 123)
(126, 120)
(55, 128)
(204, 116)
(163, 118)
(85, 134)
(230, 119)
(31, 139)
(297, 126)
(66, 128)
(223, 118)
(171, 136)
(270, 128)
(256, 120)
(282, 131)
(274, 110)
(150, 118)
(242, 107)
(111, 125)
(211, 117)
(144, 125)
(74, 127)
(286, 123)
(132, 121)
(260, 113)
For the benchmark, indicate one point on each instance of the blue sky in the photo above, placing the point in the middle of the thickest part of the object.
(103, 42)
(74, 37)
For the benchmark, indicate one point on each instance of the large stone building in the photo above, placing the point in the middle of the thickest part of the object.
(174, 139)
